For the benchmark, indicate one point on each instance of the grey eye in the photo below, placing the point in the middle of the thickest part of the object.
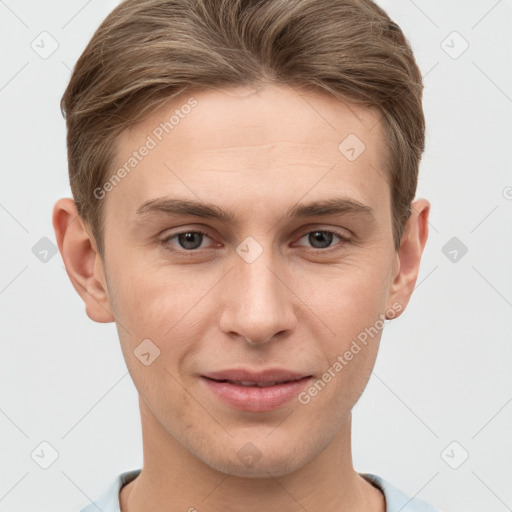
(190, 240)
(320, 239)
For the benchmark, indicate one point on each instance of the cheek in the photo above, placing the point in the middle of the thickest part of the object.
(154, 302)
(348, 363)
(153, 314)
(172, 309)
(347, 298)
(139, 311)
(350, 303)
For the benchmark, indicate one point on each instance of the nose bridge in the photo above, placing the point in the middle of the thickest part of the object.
(260, 305)
(258, 283)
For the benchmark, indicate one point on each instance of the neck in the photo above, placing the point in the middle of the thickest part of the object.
(172, 478)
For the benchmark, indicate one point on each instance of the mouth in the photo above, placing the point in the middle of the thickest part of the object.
(255, 391)
(261, 384)
(249, 377)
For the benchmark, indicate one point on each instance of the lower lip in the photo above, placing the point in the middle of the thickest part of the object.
(254, 398)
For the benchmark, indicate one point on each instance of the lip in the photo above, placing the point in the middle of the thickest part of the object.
(254, 398)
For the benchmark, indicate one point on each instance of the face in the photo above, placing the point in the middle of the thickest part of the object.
(251, 241)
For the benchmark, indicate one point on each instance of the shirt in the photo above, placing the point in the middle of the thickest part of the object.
(396, 500)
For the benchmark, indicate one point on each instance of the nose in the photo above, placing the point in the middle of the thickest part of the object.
(257, 302)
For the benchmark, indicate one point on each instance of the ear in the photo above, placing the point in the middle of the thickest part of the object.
(413, 242)
(81, 259)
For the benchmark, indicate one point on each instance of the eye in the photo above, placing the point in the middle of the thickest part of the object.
(186, 240)
(189, 241)
(322, 239)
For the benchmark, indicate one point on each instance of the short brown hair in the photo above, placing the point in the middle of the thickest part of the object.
(148, 51)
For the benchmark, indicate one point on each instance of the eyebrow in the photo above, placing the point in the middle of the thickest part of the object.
(176, 207)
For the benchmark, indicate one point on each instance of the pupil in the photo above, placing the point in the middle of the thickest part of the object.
(187, 240)
(320, 236)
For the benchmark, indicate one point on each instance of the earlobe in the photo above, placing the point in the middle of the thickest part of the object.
(413, 242)
(82, 261)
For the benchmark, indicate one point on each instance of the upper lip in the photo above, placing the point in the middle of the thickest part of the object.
(262, 376)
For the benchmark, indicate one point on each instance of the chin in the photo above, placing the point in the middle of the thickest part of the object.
(252, 462)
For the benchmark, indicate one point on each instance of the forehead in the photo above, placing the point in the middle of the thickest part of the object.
(248, 147)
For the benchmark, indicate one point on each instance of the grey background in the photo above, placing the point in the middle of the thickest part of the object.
(444, 371)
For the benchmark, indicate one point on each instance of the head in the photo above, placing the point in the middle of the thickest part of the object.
(297, 130)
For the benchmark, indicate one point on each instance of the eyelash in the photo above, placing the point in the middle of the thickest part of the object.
(166, 240)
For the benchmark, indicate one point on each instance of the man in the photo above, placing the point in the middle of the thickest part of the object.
(243, 177)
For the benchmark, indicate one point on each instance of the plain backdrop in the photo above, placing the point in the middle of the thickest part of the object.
(436, 417)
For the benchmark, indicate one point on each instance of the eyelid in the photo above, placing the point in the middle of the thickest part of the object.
(183, 231)
(341, 232)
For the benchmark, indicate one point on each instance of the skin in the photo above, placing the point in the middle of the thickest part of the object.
(297, 306)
